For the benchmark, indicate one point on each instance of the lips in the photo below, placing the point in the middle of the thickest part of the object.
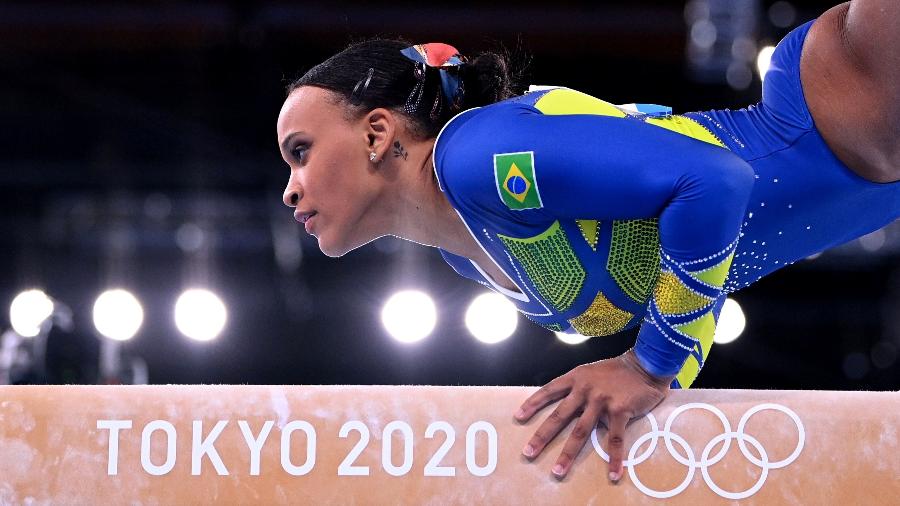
(303, 217)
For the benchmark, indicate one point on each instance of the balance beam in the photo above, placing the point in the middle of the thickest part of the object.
(433, 445)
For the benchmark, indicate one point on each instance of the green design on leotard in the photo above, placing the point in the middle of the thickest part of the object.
(551, 264)
(634, 257)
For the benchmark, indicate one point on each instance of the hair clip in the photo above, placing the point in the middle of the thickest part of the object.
(357, 94)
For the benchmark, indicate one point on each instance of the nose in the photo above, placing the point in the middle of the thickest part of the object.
(292, 193)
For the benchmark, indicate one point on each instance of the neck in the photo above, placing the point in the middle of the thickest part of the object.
(421, 211)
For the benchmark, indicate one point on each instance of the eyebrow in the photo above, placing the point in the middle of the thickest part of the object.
(287, 140)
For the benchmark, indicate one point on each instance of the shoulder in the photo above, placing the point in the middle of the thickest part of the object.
(472, 139)
(465, 149)
(495, 125)
(493, 158)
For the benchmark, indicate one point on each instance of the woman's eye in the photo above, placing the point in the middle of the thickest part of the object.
(298, 152)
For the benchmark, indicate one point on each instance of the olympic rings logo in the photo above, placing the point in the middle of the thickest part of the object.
(706, 461)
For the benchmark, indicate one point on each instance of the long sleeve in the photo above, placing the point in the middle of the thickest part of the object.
(587, 166)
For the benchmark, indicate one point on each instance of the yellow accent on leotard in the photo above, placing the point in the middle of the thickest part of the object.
(686, 126)
(566, 101)
(703, 329)
(673, 297)
(716, 274)
(602, 318)
(588, 230)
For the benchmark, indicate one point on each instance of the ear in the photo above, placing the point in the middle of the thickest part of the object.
(380, 126)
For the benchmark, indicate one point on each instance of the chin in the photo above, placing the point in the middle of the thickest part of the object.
(330, 250)
(333, 248)
(338, 248)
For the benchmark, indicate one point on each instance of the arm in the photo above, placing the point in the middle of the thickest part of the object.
(699, 192)
(602, 167)
(599, 167)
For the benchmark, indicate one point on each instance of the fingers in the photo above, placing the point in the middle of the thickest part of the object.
(547, 394)
(554, 423)
(580, 433)
(616, 443)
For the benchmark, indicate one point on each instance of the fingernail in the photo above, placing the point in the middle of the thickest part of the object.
(613, 476)
(558, 469)
(520, 413)
(528, 451)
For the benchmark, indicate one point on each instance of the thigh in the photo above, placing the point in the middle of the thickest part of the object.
(855, 112)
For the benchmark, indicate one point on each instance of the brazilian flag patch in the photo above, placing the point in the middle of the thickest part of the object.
(516, 181)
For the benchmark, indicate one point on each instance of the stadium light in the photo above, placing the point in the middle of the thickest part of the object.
(409, 316)
(491, 318)
(764, 60)
(200, 314)
(731, 322)
(571, 339)
(28, 311)
(118, 314)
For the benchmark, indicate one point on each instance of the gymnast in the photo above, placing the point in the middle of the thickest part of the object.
(593, 218)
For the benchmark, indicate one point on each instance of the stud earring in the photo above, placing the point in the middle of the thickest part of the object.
(372, 156)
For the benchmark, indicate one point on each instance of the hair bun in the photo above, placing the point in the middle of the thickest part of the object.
(486, 79)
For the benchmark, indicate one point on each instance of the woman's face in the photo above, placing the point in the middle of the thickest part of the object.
(331, 175)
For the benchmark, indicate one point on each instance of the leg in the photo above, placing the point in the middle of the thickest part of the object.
(849, 69)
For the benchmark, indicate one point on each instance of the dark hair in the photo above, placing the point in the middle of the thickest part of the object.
(487, 78)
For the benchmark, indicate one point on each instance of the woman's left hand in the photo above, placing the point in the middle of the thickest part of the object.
(612, 391)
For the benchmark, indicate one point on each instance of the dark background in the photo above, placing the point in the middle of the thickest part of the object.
(121, 123)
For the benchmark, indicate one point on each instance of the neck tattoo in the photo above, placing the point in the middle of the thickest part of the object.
(399, 151)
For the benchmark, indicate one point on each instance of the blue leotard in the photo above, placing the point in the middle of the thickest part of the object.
(607, 217)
